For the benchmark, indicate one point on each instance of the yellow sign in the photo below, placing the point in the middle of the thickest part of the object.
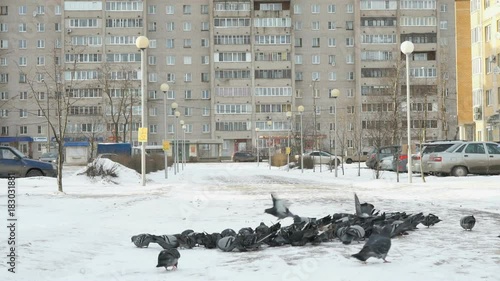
(143, 135)
(166, 145)
(288, 150)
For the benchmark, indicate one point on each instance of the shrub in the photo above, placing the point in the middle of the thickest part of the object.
(96, 169)
(308, 162)
(278, 160)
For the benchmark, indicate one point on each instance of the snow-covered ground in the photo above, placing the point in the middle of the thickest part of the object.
(84, 234)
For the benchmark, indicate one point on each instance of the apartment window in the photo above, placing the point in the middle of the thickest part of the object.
(332, 42)
(205, 128)
(40, 27)
(187, 43)
(315, 42)
(153, 111)
(152, 43)
(349, 59)
(40, 43)
(332, 76)
(350, 93)
(186, 26)
(315, 59)
(297, 9)
(487, 33)
(205, 59)
(350, 109)
(315, 25)
(349, 42)
(170, 10)
(4, 44)
(332, 25)
(153, 129)
(350, 75)
(487, 3)
(152, 26)
(152, 77)
(3, 61)
(186, 9)
(57, 27)
(170, 43)
(444, 8)
(23, 95)
(349, 25)
(188, 77)
(188, 60)
(298, 42)
(151, 60)
(23, 113)
(315, 76)
(40, 60)
(40, 10)
(349, 8)
(204, 9)
(204, 42)
(331, 8)
(315, 8)
(152, 9)
(298, 59)
(170, 26)
(331, 59)
(23, 130)
(4, 10)
(4, 27)
(57, 10)
(22, 27)
(205, 26)
(443, 24)
(489, 97)
(22, 44)
(22, 10)
(22, 78)
(170, 60)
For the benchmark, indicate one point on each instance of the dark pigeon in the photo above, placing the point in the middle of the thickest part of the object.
(467, 222)
(166, 241)
(210, 240)
(430, 219)
(377, 246)
(279, 209)
(168, 258)
(228, 232)
(262, 230)
(142, 240)
(363, 210)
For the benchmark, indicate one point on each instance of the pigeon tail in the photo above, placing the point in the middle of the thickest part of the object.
(359, 257)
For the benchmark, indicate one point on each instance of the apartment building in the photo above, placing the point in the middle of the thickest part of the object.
(235, 69)
(485, 52)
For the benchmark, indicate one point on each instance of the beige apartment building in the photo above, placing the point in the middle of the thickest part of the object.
(234, 68)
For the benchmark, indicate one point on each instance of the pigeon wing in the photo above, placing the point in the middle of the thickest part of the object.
(357, 206)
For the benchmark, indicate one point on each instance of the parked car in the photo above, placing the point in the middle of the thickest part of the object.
(322, 157)
(420, 159)
(466, 158)
(378, 153)
(50, 156)
(244, 156)
(357, 157)
(14, 163)
(386, 163)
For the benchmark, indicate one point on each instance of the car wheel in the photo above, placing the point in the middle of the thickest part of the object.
(348, 161)
(459, 171)
(34, 173)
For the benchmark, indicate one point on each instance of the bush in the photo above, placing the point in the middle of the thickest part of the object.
(278, 160)
(96, 169)
(308, 162)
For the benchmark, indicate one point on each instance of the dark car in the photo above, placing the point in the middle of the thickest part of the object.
(377, 154)
(244, 156)
(14, 163)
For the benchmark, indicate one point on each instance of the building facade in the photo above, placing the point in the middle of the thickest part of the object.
(235, 68)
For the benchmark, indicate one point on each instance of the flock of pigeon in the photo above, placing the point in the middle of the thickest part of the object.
(367, 224)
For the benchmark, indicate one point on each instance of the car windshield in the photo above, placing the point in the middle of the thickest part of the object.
(19, 153)
(431, 148)
(49, 155)
(454, 147)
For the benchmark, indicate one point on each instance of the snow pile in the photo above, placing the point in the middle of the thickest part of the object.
(109, 172)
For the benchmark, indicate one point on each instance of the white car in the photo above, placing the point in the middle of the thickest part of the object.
(322, 157)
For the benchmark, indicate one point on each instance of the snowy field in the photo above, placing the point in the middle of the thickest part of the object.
(84, 234)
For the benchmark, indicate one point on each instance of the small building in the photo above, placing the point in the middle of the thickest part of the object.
(77, 153)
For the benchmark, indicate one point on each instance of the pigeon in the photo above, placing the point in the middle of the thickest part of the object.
(279, 209)
(142, 240)
(228, 232)
(467, 222)
(430, 219)
(377, 246)
(362, 210)
(226, 243)
(168, 258)
(166, 241)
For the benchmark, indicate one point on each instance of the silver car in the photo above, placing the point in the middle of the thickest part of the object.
(322, 157)
(466, 158)
(420, 159)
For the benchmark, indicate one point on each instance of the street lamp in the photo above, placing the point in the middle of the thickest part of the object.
(183, 146)
(174, 108)
(181, 122)
(288, 149)
(164, 88)
(301, 111)
(407, 48)
(177, 115)
(257, 144)
(269, 124)
(142, 42)
(335, 93)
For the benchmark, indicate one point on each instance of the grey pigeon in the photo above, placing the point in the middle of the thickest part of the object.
(362, 210)
(279, 209)
(166, 241)
(168, 258)
(228, 232)
(142, 240)
(377, 246)
(226, 243)
(467, 222)
(430, 219)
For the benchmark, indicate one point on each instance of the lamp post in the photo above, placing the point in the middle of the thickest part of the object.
(407, 48)
(335, 93)
(164, 88)
(269, 125)
(177, 115)
(174, 108)
(301, 112)
(288, 149)
(181, 122)
(257, 145)
(183, 146)
(142, 42)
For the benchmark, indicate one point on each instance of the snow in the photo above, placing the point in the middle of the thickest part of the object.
(84, 233)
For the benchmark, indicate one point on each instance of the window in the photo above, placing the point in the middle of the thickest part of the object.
(298, 25)
(3, 61)
(22, 78)
(57, 10)
(170, 26)
(298, 42)
(205, 111)
(349, 8)
(151, 60)
(152, 43)
(315, 76)
(205, 26)
(332, 25)
(349, 42)
(188, 77)
(487, 33)
(187, 43)
(332, 42)
(152, 9)
(152, 77)
(152, 26)
(186, 26)
(205, 59)
(40, 10)
(22, 10)
(153, 129)
(153, 111)
(332, 76)
(315, 42)
(489, 97)
(4, 44)
(188, 94)
(315, 8)
(4, 27)
(444, 8)
(443, 24)
(297, 9)
(23, 130)
(331, 8)
(40, 27)
(315, 25)
(4, 10)
(186, 9)
(22, 27)
(349, 59)
(331, 59)
(40, 60)
(298, 59)
(205, 94)
(350, 75)
(170, 10)
(349, 25)
(205, 128)
(316, 59)
(204, 9)
(170, 43)
(170, 60)
(23, 95)
(40, 44)
(23, 113)
(204, 42)
(188, 60)
(57, 27)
